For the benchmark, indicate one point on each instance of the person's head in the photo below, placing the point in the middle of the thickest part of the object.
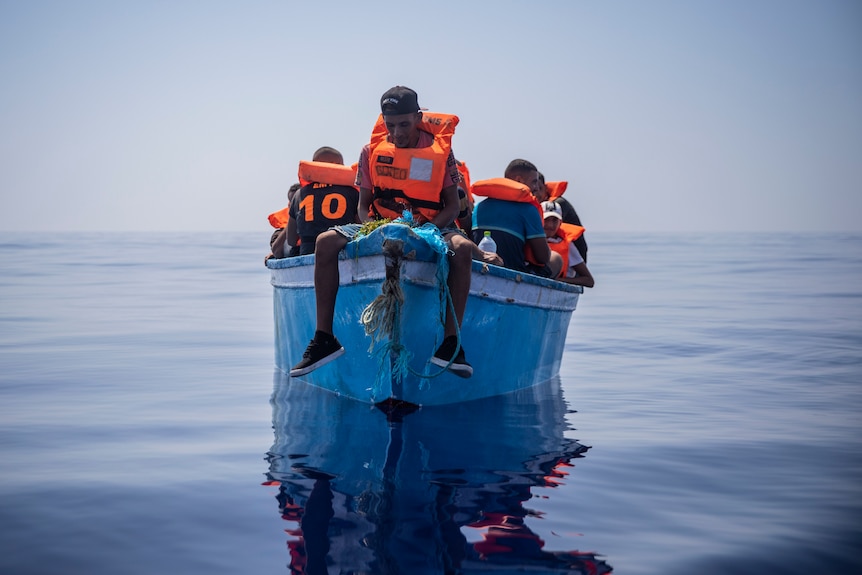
(293, 189)
(401, 115)
(524, 172)
(542, 194)
(553, 217)
(328, 155)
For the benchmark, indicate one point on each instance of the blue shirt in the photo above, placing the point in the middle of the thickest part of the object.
(511, 224)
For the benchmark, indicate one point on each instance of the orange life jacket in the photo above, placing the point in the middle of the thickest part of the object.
(411, 178)
(568, 233)
(465, 180)
(506, 189)
(279, 219)
(326, 173)
(466, 203)
(503, 189)
(556, 189)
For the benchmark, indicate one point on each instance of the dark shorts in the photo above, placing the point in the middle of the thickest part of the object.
(349, 231)
(453, 229)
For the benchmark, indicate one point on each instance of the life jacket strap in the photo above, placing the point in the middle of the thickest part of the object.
(398, 196)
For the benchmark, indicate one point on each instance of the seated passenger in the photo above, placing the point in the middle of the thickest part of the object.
(278, 220)
(326, 199)
(515, 222)
(561, 239)
(407, 165)
(554, 191)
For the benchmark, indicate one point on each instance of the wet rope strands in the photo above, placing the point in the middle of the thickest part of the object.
(382, 317)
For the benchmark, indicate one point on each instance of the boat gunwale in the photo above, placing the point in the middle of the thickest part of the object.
(478, 267)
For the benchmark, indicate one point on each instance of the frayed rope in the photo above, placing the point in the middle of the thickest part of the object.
(381, 318)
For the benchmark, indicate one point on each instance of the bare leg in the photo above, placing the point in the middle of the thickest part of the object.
(326, 277)
(459, 279)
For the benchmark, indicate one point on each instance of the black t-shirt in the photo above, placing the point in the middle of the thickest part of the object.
(318, 207)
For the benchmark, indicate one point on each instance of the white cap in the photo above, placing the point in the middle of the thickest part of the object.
(552, 209)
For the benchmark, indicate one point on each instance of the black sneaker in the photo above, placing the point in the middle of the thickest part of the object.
(444, 354)
(322, 349)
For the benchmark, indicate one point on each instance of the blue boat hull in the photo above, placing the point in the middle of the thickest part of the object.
(513, 333)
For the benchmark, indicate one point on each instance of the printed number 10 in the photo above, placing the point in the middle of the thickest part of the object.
(333, 207)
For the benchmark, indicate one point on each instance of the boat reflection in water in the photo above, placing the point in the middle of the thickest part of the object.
(436, 490)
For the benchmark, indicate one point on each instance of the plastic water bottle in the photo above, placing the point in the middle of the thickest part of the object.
(487, 243)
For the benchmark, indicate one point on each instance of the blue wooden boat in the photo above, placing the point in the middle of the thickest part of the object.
(513, 333)
(442, 489)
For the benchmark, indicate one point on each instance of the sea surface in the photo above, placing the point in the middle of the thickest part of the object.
(706, 420)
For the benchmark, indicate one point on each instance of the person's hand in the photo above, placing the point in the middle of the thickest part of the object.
(492, 258)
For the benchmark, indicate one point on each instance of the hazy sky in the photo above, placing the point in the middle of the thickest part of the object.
(662, 114)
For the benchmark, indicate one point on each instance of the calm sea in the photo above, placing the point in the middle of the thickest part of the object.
(706, 420)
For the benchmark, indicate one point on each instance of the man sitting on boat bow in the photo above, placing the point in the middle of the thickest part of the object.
(408, 164)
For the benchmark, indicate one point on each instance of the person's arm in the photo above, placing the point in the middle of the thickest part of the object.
(583, 277)
(534, 232)
(291, 233)
(365, 197)
(363, 182)
(540, 249)
(451, 207)
(278, 244)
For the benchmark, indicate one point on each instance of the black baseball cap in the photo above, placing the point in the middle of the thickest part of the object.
(399, 100)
